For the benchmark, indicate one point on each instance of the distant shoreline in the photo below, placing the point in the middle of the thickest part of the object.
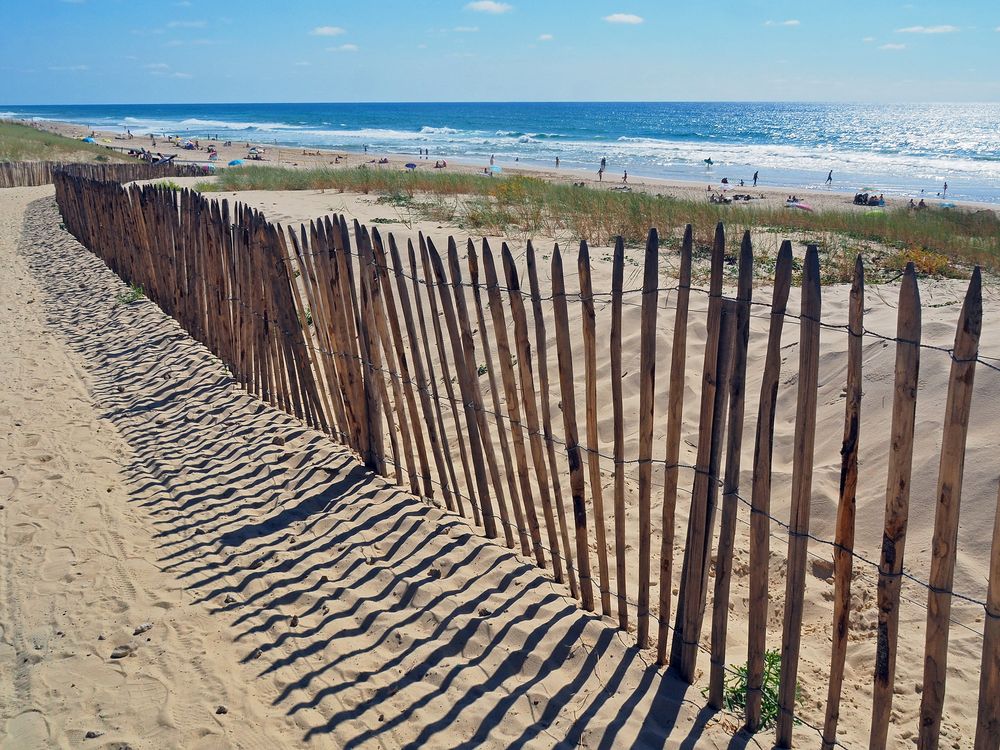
(311, 157)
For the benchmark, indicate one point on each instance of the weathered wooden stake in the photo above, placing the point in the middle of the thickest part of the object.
(731, 483)
(988, 719)
(802, 466)
(949, 496)
(897, 502)
(844, 539)
(760, 502)
(675, 408)
(647, 382)
(593, 443)
(566, 389)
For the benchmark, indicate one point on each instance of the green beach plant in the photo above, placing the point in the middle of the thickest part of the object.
(734, 689)
(133, 294)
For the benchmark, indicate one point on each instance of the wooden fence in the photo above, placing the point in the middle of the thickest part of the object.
(31, 173)
(374, 343)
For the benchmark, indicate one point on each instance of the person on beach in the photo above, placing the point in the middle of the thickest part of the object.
(492, 159)
(944, 192)
(600, 174)
(625, 177)
(366, 148)
(829, 178)
(755, 179)
(557, 167)
(604, 163)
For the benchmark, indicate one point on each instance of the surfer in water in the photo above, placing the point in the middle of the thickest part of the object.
(709, 162)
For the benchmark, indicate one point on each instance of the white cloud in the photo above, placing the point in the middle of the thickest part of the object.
(465, 29)
(191, 43)
(69, 68)
(545, 37)
(186, 25)
(893, 47)
(302, 64)
(927, 30)
(627, 18)
(327, 31)
(868, 39)
(489, 6)
(181, 75)
(789, 22)
(156, 66)
(344, 48)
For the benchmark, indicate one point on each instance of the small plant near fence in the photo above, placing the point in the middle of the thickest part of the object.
(734, 690)
(133, 294)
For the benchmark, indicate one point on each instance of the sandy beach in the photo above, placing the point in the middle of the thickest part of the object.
(322, 607)
(941, 300)
(834, 199)
(187, 568)
(190, 568)
(499, 375)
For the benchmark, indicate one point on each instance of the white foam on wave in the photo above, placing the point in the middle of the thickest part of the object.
(195, 122)
(798, 158)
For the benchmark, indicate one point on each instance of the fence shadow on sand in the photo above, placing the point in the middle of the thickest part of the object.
(367, 615)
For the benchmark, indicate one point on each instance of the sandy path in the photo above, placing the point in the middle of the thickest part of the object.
(80, 569)
(321, 606)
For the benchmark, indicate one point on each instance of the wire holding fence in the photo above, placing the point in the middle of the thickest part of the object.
(312, 321)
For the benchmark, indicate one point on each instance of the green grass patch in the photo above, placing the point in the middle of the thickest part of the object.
(24, 143)
(133, 294)
(530, 206)
(734, 690)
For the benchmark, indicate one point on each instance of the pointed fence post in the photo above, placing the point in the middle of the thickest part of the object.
(760, 500)
(949, 496)
(844, 540)
(897, 503)
(802, 467)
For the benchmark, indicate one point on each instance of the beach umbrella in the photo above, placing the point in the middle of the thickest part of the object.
(88, 139)
(411, 165)
(495, 169)
(235, 162)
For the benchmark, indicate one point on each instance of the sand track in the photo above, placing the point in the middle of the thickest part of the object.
(139, 485)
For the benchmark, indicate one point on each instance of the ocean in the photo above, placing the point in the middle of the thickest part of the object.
(896, 149)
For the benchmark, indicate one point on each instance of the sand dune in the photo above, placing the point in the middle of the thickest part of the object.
(941, 301)
(324, 607)
(320, 606)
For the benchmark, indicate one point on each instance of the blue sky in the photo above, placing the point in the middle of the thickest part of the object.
(123, 51)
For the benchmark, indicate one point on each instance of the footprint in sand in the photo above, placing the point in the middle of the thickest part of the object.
(28, 731)
(56, 564)
(8, 485)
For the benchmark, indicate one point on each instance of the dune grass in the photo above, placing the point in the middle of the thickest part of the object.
(938, 241)
(24, 143)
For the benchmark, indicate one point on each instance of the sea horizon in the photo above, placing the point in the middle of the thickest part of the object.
(899, 149)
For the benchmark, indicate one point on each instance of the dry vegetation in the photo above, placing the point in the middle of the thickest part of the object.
(939, 242)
